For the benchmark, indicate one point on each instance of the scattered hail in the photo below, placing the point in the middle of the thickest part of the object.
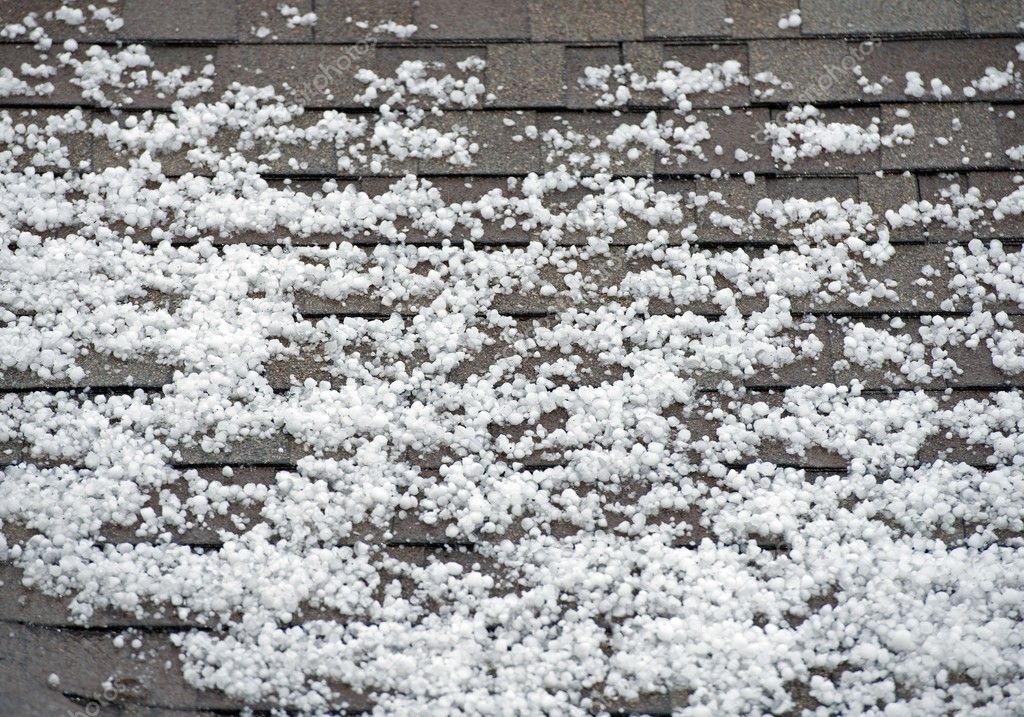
(565, 377)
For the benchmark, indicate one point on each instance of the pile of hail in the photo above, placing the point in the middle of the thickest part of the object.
(491, 450)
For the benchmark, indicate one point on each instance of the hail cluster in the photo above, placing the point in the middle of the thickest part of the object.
(548, 475)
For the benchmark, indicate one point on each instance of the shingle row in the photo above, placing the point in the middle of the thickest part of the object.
(548, 74)
(828, 366)
(533, 20)
(944, 137)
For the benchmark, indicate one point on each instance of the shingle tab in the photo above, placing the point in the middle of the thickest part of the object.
(578, 59)
(974, 363)
(527, 75)
(957, 63)
(472, 20)
(952, 446)
(647, 59)
(63, 92)
(996, 185)
(760, 18)
(887, 192)
(733, 197)
(697, 57)
(42, 12)
(320, 74)
(59, 124)
(920, 276)
(86, 659)
(21, 604)
(1009, 122)
(354, 20)
(808, 368)
(192, 20)
(937, 188)
(984, 16)
(840, 17)
(493, 132)
(825, 162)
(440, 61)
(812, 188)
(587, 20)
(299, 155)
(583, 127)
(166, 58)
(696, 18)
(946, 136)
(455, 190)
(816, 70)
(107, 155)
(262, 21)
(733, 146)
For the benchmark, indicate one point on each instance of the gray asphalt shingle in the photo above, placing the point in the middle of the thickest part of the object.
(825, 162)
(77, 144)
(974, 362)
(577, 60)
(760, 18)
(697, 57)
(733, 146)
(586, 20)
(472, 20)
(815, 70)
(493, 134)
(439, 61)
(812, 188)
(946, 136)
(203, 20)
(698, 18)
(957, 63)
(594, 125)
(354, 20)
(985, 16)
(939, 187)
(42, 13)
(63, 92)
(322, 75)
(887, 192)
(527, 75)
(840, 17)
(262, 21)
